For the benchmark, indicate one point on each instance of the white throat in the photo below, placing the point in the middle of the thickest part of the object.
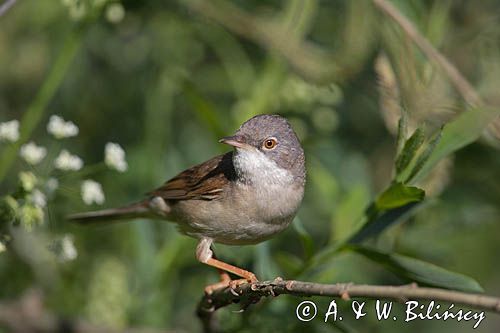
(255, 167)
(269, 191)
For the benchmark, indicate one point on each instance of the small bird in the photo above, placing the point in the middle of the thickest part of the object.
(242, 197)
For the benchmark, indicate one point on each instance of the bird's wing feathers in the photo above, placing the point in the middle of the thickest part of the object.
(203, 181)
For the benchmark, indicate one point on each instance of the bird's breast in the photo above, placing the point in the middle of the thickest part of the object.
(245, 215)
(260, 203)
(269, 203)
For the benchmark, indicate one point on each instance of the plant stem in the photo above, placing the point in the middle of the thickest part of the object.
(6, 6)
(35, 111)
(457, 79)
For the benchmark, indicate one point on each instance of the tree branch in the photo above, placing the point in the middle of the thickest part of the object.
(6, 6)
(458, 80)
(250, 293)
(461, 84)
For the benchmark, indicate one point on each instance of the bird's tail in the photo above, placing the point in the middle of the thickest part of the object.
(132, 211)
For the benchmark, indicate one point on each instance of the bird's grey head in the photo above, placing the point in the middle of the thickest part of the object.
(267, 148)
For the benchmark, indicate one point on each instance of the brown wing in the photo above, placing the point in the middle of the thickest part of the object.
(203, 181)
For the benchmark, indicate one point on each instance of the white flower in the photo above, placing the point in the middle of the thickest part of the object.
(2, 247)
(30, 216)
(38, 198)
(92, 192)
(9, 131)
(32, 153)
(77, 11)
(28, 180)
(66, 161)
(115, 12)
(114, 157)
(60, 128)
(52, 184)
(68, 249)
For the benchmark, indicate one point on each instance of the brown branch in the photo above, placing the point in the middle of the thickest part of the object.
(6, 6)
(249, 293)
(463, 86)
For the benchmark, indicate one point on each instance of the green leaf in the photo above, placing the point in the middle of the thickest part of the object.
(465, 129)
(398, 195)
(409, 150)
(397, 204)
(402, 131)
(421, 272)
(424, 157)
(378, 222)
(370, 225)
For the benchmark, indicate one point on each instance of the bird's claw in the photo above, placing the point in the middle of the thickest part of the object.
(231, 284)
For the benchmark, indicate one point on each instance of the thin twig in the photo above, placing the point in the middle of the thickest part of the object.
(249, 293)
(6, 6)
(463, 86)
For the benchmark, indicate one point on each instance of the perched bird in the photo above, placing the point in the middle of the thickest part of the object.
(245, 196)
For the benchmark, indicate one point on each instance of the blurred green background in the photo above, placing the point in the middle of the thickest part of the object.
(167, 79)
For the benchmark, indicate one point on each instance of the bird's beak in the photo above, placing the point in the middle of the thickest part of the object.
(238, 141)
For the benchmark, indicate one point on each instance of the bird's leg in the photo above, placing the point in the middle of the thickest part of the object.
(225, 279)
(224, 276)
(205, 255)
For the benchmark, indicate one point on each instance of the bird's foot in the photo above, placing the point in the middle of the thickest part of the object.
(231, 284)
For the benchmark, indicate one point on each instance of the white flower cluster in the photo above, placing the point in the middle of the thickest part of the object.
(68, 162)
(52, 185)
(9, 131)
(92, 192)
(114, 157)
(29, 210)
(61, 129)
(38, 198)
(115, 12)
(27, 180)
(32, 153)
(78, 9)
(2, 247)
(68, 249)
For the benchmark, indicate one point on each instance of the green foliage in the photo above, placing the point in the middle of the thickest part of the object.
(398, 195)
(166, 82)
(424, 156)
(460, 132)
(421, 272)
(402, 132)
(409, 150)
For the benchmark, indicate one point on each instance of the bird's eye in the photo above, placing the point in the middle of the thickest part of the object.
(270, 143)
